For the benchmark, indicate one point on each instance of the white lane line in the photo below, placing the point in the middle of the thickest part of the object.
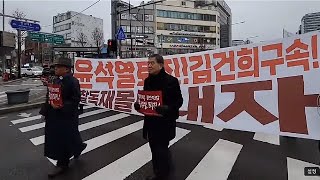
(39, 116)
(218, 162)
(268, 138)
(214, 127)
(40, 139)
(26, 119)
(129, 163)
(109, 137)
(43, 124)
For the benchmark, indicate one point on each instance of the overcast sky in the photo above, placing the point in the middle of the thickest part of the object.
(264, 19)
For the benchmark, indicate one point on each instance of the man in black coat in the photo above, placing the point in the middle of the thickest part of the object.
(62, 136)
(159, 130)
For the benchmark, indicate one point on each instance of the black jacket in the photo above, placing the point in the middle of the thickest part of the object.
(163, 128)
(62, 136)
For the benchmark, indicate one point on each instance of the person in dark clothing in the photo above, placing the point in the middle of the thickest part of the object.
(62, 136)
(159, 130)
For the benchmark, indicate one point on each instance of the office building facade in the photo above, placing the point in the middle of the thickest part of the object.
(77, 28)
(310, 22)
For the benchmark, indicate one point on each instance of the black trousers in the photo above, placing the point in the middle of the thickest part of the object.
(160, 157)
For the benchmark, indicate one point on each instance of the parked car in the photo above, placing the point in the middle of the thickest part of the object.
(34, 72)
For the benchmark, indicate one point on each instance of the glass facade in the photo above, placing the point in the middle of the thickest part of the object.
(186, 15)
(186, 40)
(186, 27)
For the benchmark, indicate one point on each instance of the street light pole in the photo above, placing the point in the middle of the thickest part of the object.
(131, 44)
(3, 56)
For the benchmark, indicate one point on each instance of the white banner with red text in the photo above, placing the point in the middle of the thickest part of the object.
(269, 87)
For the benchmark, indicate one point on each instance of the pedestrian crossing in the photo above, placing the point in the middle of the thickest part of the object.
(117, 150)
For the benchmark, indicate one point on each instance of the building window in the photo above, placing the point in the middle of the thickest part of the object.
(124, 16)
(148, 17)
(69, 15)
(139, 29)
(160, 13)
(149, 29)
(183, 3)
(184, 15)
(160, 26)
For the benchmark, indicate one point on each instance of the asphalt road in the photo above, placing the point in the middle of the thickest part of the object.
(116, 151)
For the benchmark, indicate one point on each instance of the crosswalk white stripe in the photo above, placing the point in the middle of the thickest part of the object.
(26, 119)
(296, 169)
(87, 107)
(268, 138)
(2, 96)
(131, 162)
(109, 137)
(218, 162)
(32, 127)
(90, 113)
(40, 139)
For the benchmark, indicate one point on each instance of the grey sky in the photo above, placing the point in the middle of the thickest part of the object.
(265, 19)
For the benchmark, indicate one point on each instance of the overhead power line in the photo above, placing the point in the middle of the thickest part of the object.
(78, 12)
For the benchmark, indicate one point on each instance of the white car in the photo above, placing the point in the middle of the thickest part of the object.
(35, 71)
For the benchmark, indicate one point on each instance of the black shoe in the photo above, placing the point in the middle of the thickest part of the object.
(83, 147)
(57, 171)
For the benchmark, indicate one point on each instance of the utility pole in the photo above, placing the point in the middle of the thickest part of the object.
(131, 44)
(19, 53)
(3, 56)
(19, 40)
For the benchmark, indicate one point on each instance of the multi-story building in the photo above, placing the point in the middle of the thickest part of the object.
(77, 28)
(186, 26)
(37, 52)
(175, 27)
(225, 22)
(310, 22)
(140, 37)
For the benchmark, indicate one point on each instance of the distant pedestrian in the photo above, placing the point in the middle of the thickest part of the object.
(62, 136)
(159, 130)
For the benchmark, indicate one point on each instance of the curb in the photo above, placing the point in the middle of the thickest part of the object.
(20, 107)
(12, 81)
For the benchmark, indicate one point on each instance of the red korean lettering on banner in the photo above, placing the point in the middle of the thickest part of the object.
(184, 63)
(125, 72)
(298, 55)
(225, 60)
(314, 45)
(142, 72)
(106, 99)
(204, 74)
(84, 73)
(245, 101)
(84, 96)
(93, 97)
(274, 62)
(248, 62)
(124, 101)
(104, 73)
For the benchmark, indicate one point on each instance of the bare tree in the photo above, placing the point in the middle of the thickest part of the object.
(19, 14)
(97, 36)
(82, 39)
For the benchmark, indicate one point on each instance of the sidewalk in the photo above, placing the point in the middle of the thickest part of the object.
(37, 94)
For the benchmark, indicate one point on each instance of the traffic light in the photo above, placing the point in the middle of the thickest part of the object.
(112, 45)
